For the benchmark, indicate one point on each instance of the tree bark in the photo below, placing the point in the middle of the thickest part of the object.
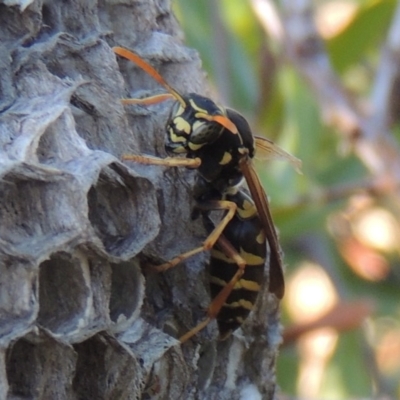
(82, 316)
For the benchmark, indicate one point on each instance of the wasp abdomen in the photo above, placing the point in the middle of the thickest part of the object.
(242, 298)
(246, 235)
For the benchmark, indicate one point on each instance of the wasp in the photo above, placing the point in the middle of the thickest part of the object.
(219, 143)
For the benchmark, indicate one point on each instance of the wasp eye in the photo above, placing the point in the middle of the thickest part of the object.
(205, 132)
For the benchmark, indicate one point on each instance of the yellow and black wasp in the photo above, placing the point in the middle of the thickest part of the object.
(218, 142)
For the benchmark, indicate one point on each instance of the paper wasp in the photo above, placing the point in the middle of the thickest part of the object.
(219, 143)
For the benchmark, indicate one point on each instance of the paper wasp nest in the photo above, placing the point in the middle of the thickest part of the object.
(78, 226)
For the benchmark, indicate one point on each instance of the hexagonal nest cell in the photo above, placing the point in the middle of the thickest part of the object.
(18, 295)
(127, 290)
(64, 294)
(123, 211)
(105, 370)
(38, 208)
(33, 367)
(60, 142)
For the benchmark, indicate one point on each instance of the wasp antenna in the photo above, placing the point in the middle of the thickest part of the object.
(149, 100)
(129, 55)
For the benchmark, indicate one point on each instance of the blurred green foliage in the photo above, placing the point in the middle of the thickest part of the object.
(246, 69)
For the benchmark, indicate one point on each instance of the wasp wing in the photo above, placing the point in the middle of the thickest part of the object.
(268, 150)
(276, 279)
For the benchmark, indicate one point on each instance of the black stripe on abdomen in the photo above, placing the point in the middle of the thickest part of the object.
(242, 298)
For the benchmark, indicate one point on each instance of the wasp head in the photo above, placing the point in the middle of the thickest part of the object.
(194, 124)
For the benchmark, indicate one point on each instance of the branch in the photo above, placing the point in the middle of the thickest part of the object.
(302, 46)
(386, 75)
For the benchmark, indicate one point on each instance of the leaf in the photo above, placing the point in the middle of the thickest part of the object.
(363, 33)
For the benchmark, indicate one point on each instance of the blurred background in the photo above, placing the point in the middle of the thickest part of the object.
(321, 79)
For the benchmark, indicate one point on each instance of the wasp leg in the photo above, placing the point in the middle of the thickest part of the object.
(167, 162)
(211, 239)
(147, 101)
(215, 306)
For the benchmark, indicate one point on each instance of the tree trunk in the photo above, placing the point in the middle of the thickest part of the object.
(82, 316)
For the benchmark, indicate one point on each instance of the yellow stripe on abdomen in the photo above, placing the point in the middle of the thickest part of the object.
(240, 284)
